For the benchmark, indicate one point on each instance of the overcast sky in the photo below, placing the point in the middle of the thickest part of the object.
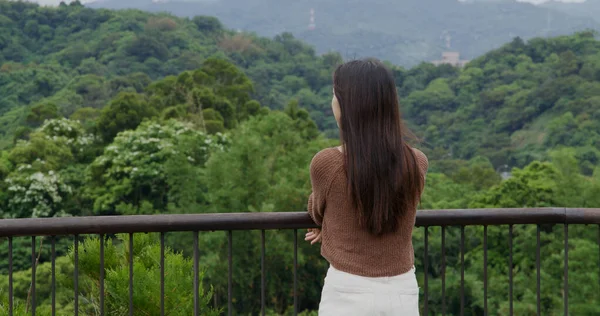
(56, 2)
(542, 1)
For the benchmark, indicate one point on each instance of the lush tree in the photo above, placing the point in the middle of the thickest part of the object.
(125, 112)
(133, 174)
(40, 113)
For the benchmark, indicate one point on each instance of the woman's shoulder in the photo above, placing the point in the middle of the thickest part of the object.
(326, 159)
(422, 160)
(326, 156)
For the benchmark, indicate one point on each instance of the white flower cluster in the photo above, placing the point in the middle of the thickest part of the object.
(142, 153)
(69, 131)
(36, 195)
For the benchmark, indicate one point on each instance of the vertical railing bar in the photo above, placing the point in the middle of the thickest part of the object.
(162, 274)
(33, 268)
(230, 273)
(10, 276)
(510, 268)
(76, 273)
(537, 270)
(566, 277)
(599, 262)
(425, 269)
(101, 274)
(130, 259)
(462, 270)
(53, 272)
(444, 270)
(262, 273)
(295, 272)
(485, 276)
(196, 278)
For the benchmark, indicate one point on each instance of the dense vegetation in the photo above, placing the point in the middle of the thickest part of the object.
(75, 57)
(205, 120)
(405, 32)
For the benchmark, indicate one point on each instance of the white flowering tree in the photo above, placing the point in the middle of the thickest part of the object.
(35, 188)
(37, 194)
(57, 143)
(150, 169)
(71, 132)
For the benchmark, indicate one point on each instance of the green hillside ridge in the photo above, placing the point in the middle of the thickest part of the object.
(76, 57)
(501, 93)
(405, 32)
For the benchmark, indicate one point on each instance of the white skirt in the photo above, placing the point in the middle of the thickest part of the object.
(346, 294)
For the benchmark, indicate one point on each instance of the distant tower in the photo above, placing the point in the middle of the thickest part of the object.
(548, 23)
(311, 25)
(446, 36)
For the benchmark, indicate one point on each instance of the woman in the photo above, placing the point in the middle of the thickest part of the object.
(364, 196)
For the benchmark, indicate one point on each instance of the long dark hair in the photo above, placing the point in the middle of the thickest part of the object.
(384, 180)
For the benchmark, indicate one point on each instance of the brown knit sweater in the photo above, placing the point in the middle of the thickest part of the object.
(345, 244)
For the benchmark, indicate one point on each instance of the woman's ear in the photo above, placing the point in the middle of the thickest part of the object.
(337, 111)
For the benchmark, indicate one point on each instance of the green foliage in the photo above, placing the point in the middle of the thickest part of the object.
(22, 284)
(22, 252)
(179, 278)
(267, 152)
(125, 112)
(136, 167)
(520, 101)
(146, 285)
(42, 112)
(74, 57)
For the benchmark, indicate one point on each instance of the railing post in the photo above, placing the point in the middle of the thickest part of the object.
(196, 276)
(425, 269)
(537, 270)
(76, 273)
(443, 270)
(33, 272)
(462, 270)
(130, 260)
(262, 273)
(162, 274)
(230, 273)
(510, 268)
(566, 276)
(10, 276)
(101, 275)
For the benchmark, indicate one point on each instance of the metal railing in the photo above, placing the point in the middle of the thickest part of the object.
(103, 225)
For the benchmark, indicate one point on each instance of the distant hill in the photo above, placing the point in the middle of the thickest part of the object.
(404, 32)
(589, 8)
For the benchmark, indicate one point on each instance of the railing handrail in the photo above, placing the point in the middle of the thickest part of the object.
(279, 220)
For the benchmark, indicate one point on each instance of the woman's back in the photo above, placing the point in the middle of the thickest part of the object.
(346, 243)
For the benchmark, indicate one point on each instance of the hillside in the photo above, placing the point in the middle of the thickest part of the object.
(513, 104)
(74, 57)
(404, 32)
(588, 8)
(521, 99)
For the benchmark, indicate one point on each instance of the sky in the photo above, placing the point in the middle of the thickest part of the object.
(542, 1)
(56, 2)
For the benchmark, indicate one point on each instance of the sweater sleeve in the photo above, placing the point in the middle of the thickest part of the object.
(422, 162)
(321, 169)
